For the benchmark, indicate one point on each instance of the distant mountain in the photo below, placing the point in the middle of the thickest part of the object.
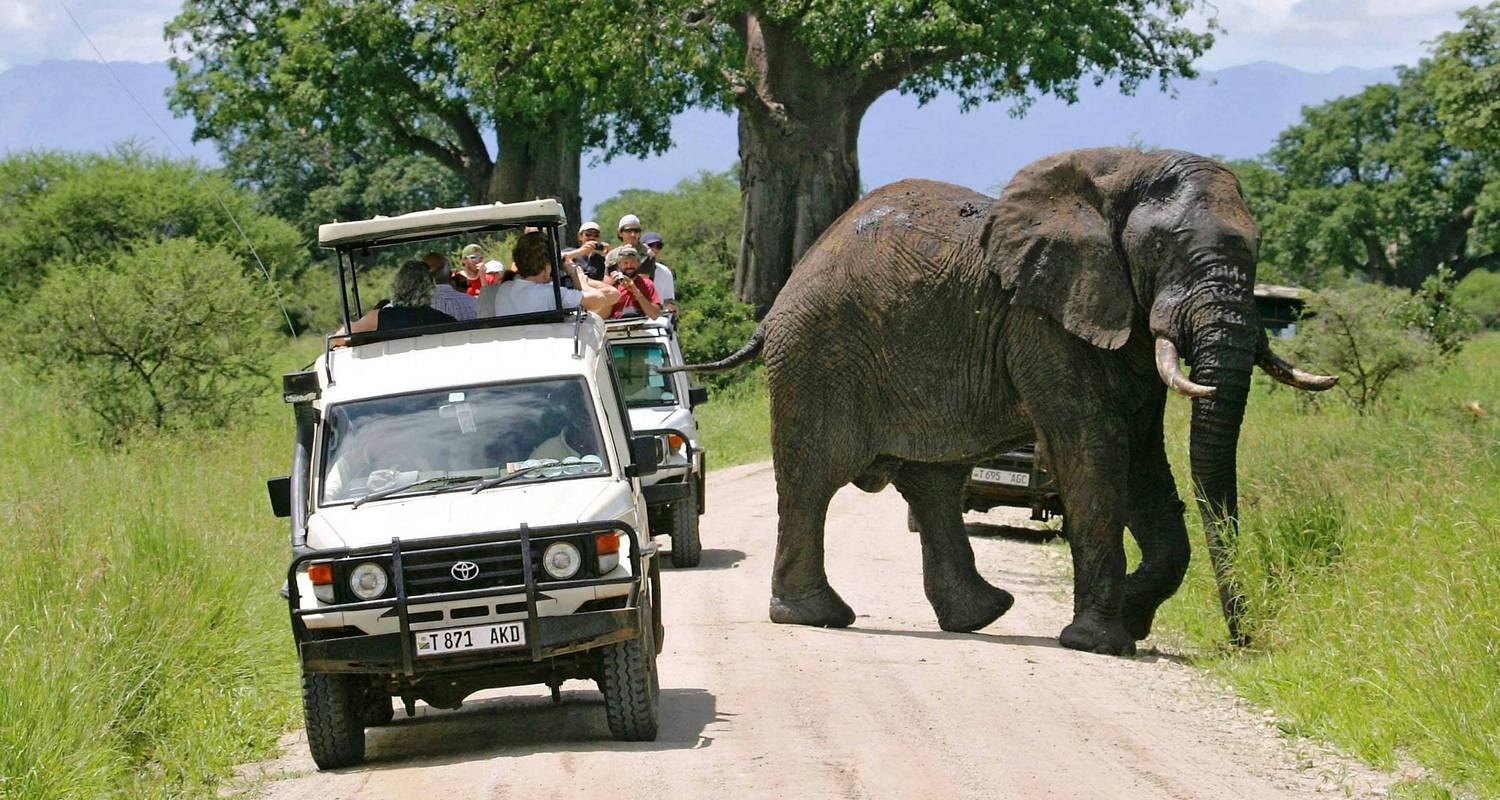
(1234, 113)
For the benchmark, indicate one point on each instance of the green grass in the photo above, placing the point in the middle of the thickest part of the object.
(736, 423)
(143, 648)
(1370, 557)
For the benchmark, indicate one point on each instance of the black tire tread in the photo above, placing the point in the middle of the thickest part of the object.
(335, 719)
(687, 547)
(628, 681)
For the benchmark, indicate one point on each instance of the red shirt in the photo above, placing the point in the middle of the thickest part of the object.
(627, 300)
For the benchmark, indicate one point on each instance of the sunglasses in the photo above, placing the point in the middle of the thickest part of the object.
(654, 246)
(630, 230)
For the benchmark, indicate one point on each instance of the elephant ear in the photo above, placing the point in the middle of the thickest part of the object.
(1050, 243)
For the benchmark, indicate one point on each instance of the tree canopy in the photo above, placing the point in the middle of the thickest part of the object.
(1370, 185)
(544, 80)
(1463, 77)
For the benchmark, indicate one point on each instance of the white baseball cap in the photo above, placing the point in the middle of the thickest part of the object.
(628, 221)
(589, 226)
(493, 266)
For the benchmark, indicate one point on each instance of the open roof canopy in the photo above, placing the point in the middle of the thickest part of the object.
(439, 222)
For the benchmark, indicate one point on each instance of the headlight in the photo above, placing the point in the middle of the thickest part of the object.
(561, 560)
(368, 581)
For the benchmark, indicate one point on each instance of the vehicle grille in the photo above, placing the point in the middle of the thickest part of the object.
(499, 565)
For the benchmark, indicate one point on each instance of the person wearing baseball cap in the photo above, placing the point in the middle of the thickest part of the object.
(630, 233)
(666, 285)
(638, 296)
(471, 266)
(589, 254)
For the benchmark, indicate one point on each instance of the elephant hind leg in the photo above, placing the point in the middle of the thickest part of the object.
(962, 600)
(800, 592)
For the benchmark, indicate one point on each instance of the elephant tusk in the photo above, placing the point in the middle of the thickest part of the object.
(1171, 372)
(1289, 373)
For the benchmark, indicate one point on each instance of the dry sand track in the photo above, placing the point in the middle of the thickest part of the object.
(891, 708)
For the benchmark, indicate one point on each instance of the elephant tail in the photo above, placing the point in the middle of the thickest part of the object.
(738, 357)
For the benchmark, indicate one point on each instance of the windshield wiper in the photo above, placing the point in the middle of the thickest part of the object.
(441, 480)
(489, 483)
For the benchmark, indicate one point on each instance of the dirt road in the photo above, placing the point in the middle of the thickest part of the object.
(891, 708)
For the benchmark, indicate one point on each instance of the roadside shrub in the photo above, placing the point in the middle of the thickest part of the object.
(1365, 334)
(1479, 295)
(170, 334)
(1433, 311)
(71, 213)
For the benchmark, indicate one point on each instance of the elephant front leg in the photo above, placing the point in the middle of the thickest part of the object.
(1092, 481)
(1155, 520)
(962, 600)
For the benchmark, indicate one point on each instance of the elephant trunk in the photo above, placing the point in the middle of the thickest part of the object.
(1225, 337)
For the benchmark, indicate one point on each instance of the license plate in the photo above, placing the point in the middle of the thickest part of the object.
(1005, 476)
(478, 637)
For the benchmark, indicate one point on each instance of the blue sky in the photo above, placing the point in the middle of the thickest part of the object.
(1314, 35)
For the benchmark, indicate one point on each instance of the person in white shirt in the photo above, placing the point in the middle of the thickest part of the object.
(530, 290)
(666, 286)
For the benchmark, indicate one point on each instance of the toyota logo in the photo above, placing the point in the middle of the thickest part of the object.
(465, 570)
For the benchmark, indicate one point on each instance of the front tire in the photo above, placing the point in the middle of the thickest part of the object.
(628, 679)
(335, 706)
(687, 548)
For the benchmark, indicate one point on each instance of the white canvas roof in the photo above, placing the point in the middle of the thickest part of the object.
(439, 222)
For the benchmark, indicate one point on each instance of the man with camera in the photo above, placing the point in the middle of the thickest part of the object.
(589, 254)
(638, 295)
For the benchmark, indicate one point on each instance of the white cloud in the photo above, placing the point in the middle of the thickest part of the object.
(124, 30)
(1318, 35)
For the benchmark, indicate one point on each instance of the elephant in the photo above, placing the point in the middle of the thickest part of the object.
(932, 326)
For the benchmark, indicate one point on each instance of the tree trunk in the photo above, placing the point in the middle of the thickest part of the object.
(536, 162)
(799, 159)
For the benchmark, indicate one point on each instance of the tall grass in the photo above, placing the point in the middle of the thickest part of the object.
(143, 648)
(1369, 554)
(736, 424)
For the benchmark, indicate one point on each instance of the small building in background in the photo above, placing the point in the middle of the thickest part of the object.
(1280, 308)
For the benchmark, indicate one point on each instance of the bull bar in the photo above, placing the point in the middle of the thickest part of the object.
(546, 636)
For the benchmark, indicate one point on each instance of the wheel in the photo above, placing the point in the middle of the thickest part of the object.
(687, 548)
(377, 709)
(334, 704)
(627, 677)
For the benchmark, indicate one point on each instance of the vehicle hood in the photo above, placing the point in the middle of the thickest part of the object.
(651, 418)
(459, 512)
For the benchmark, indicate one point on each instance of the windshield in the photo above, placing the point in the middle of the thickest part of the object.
(452, 439)
(643, 386)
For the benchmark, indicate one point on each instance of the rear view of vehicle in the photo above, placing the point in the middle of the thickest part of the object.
(662, 406)
(467, 513)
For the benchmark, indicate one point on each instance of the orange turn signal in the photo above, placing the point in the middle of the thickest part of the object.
(320, 574)
(675, 442)
(606, 543)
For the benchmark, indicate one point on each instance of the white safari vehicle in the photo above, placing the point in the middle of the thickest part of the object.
(662, 406)
(466, 507)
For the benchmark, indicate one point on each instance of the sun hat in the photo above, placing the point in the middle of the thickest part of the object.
(471, 249)
(651, 237)
(628, 221)
(589, 226)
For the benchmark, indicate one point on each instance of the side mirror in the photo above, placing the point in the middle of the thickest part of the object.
(280, 490)
(697, 396)
(645, 455)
